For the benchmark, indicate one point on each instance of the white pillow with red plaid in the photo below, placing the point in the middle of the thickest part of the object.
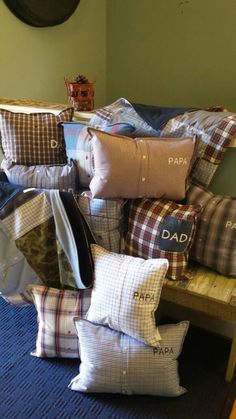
(126, 293)
(56, 309)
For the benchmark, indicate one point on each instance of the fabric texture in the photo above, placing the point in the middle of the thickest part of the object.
(126, 293)
(60, 176)
(122, 111)
(162, 229)
(105, 218)
(35, 138)
(213, 130)
(132, 168)
(78, 146)
(112, 362)
(56, 309)
(215, 240)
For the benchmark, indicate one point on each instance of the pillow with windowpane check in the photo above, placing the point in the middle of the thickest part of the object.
(56, 309)
(126, 293)
(162, 229)
(34, 138)
(215, 241)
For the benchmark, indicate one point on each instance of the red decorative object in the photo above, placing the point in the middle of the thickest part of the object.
(80, 95)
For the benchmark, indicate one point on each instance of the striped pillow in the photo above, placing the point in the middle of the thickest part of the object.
(162, 229)
(215, 241)
(112, 362)
(78, 146)
(34, 138)
(60, 176)
(56, 309)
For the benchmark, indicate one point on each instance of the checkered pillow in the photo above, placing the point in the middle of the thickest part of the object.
(162, 229)
(126, 293)
(78, 146)
(116, 363)
(215, 241)
(60, 176)
(105, 218)
(213, 130)
(34, 138)
(56, 309)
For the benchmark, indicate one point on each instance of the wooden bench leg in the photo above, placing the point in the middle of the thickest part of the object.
(231, 361)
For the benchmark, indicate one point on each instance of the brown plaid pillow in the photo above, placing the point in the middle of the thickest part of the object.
(56, 309)
(162, 229)
(215, 241)
(34, 138)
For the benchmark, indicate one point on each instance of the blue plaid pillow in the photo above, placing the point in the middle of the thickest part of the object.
(78, 146)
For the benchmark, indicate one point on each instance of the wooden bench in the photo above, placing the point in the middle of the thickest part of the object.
(211, 294)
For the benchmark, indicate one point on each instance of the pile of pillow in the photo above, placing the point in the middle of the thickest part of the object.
(112, 328)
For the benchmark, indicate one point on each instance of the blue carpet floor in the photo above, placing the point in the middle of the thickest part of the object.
(37, 388)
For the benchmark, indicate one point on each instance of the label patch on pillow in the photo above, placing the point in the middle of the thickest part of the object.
(174, 234)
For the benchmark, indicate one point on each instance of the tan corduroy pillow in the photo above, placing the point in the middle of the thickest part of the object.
(152, 167)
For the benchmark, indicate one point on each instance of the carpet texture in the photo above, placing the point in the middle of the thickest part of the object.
(37, 388)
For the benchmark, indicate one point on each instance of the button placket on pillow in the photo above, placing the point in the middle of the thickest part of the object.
(144, 163)
(125, 364)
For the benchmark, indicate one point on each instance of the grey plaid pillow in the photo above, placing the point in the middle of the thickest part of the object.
(112, 362)
(126, 293)
(105, 218)
(60, 176)
(215, 240)
(34, 138)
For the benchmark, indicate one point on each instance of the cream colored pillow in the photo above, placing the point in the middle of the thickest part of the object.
(152, 167)
(126, 293)
(112, 362)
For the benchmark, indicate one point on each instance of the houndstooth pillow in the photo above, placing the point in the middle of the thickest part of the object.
(34, 138)
(126, 293)
(112, 362)
(56, 309)
(215, 241)
(60, 176)
(162, 229)
(105, 218)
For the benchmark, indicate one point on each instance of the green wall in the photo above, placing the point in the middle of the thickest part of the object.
(172, 52)
(35, 60)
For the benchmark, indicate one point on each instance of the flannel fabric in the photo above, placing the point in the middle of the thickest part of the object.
(126, 293)
(78, 146)
(213, 130)
(121, 111)
(112, 362)
(215, 240)
(105, 218)
(35, 138)
(162, 229)
(56, 309)
(60, 176)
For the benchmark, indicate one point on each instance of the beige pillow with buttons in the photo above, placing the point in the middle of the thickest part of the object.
(151, 167)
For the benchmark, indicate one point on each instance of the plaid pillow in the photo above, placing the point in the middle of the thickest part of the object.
(213, 130)
(78, 146)
(56, 309)
(105, 218)
(60, 176)
(126, 293)
(162, 229)
(34, 138)
(215, 241)
(112, 362)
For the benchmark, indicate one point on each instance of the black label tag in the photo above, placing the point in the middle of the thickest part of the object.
(174, 234)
